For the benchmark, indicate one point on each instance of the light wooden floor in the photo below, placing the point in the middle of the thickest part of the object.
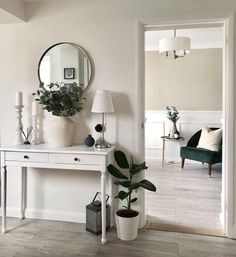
(184, 197)
(38, 238)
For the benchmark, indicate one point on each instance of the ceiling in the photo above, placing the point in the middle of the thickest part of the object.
(35, 0)
(42, 0)
(13, 11)
(200, 37)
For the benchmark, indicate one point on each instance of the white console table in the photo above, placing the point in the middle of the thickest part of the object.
(43, 156)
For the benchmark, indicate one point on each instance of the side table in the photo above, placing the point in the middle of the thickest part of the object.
(168, 138)
(78, 157)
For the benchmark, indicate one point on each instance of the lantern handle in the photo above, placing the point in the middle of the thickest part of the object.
(97, 195)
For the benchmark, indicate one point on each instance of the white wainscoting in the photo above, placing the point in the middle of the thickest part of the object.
(190, 122)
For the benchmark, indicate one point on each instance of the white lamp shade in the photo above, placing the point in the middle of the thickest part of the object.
(102, 102)
(175, 43)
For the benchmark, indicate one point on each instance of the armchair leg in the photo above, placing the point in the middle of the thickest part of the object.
(182, 163)
(209, 169)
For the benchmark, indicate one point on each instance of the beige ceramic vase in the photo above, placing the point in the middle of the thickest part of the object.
(61, 131)
(172, 129)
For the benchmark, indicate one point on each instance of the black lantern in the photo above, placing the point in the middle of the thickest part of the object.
(94, 216)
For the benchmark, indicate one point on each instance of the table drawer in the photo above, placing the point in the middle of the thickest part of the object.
(26, 157)
(75, 159)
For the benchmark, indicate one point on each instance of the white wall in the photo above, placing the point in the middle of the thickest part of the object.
(106, 29)
(64, 193)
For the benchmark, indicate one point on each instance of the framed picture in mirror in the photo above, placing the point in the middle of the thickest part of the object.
(69, 73)
(78, 65)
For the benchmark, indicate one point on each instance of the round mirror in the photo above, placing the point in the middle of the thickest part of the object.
(65, 63)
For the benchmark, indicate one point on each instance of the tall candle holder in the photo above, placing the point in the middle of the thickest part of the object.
(34, 138)
(19, 139)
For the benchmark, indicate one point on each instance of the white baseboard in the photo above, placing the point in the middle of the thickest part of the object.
(47, 215)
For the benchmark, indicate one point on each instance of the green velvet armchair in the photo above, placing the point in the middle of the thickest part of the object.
(191, 152)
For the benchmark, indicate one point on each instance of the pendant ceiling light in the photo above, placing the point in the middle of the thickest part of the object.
(175, 47)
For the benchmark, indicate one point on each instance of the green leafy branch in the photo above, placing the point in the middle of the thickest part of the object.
(127, 181)
(172, 113)
(60, 100)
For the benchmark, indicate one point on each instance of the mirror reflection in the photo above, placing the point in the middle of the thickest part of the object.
(65, 63)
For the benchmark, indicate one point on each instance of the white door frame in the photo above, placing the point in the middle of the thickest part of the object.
(228, 108)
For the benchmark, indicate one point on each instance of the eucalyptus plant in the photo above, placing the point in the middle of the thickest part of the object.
(127, 181)
(172, 113)
(60, 100)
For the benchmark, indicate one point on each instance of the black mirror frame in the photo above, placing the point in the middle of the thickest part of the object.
(78, 46)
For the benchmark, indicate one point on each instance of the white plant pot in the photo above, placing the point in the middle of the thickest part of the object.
(61, 131)
(127, 228)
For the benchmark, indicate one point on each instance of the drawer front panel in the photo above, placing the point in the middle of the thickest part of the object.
(75, 159)
(27, 157)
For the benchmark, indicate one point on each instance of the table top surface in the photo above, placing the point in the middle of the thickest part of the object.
(172, 138)
(45, 148)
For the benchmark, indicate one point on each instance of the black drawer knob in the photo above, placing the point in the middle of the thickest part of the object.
(76, 159)
(26, 157)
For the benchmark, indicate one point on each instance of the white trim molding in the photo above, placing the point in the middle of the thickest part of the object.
(139, 114)
(229, 96)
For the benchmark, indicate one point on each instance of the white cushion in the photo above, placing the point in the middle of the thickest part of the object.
(210, 139)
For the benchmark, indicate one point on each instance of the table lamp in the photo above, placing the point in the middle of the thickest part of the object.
(102, 103)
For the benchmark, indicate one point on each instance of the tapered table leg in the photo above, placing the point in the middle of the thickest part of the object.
(103, 196)
(163, 152)
(111, 200)
(4, 197)
(23, 192)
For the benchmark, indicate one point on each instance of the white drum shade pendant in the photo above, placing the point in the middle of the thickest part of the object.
(175, 47)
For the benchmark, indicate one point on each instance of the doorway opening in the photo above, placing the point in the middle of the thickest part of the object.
(186, 200)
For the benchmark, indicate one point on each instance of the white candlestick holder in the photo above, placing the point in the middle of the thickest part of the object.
(19, 139)
(34, 138)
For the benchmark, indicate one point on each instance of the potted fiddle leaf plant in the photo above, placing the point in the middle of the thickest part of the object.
(63, 102)
(127, 219)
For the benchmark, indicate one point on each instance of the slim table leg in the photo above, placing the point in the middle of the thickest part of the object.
(4, 197)
(111, 200)
(103, 196)
(23, 192)
(163, 151)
